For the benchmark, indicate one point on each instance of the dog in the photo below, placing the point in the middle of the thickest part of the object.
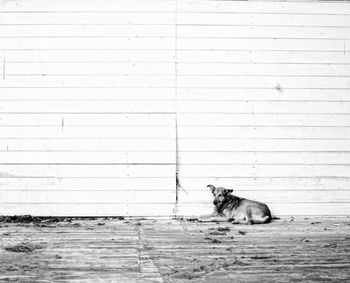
(228, 207)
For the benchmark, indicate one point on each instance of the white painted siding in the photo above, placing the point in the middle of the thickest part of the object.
(91, 93)
(264, 105)
(87, 111)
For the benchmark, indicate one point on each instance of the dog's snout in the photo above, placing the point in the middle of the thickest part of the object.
(215, 202)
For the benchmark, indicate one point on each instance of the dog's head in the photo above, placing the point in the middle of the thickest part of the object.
(220, 194)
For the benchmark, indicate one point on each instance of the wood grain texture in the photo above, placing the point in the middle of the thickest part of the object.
(114, 98)
(258, 109)
(147, 250)
(87, 132)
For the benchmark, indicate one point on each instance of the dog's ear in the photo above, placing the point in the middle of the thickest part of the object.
(228, 191)
(211, 187)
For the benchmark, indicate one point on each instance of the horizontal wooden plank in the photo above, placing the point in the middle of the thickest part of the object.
(88, 184)
(168, 43)
(269, 197)
(88, 157)
(272, 107)
(247, 44)
(256, 57)
(88, 56)
(234, 107)
(139, 43)
(110, 94)
(264, 170)
(191, 133)
(91, 17)
(117, 81)
(86, 93)
(167, 18)
(90, 197)
(184, 120)
(100, 132)
(262, 81)
(277, 93)
(263, 145)
(90, 68)
(102, 209)
(261, 132)
(221, 56)
(80, 5)
(89, 30)
(168, 132)
(73, 120)
(264, 19)
(267, 183)
(256, 69)
(260, 157)
(298, 7)
(86, 106)
(94, 144)
(258, 32)
(88, 171)
(283, 119)
(209, 158)
(325, 209)
(15, 31)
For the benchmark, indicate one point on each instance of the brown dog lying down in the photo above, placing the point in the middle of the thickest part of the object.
(228, 207)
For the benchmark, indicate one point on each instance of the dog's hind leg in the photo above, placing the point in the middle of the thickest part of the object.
(263, 220)
(248, 216)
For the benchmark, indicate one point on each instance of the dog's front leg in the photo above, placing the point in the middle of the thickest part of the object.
(217, 219)
(211, 215)
(207, 216)
(241, 222)
(214, 218)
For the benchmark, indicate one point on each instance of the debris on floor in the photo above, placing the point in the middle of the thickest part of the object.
(173, 250)
(218, 233)
(331, 245)
(213, 240)
(303, 239)
(29, 219)
(226, 229)
(23, 248)
(198, 271)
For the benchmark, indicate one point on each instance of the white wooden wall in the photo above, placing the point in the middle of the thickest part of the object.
(87, 107)
(90, 92)
(264, 103)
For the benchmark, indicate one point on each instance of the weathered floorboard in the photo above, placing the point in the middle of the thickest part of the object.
(307, 249)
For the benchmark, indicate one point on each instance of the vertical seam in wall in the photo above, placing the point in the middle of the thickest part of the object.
(4, 68)
(176, 106)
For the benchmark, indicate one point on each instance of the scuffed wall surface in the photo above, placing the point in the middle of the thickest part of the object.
(87, 107)
(263, 90)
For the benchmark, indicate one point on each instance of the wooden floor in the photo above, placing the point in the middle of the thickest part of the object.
(303, 249)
